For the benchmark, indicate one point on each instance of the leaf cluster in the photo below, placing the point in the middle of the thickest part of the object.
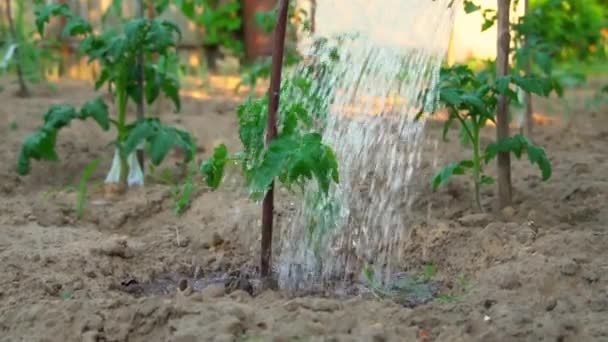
(471, 100)
(295, 157)
(220, 20)
(40, 145)
(118, 51)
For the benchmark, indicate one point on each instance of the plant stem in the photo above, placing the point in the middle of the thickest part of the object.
(502, 114)
(23, 90)
(477, 165)
(278, 52)
(140, 83)
(121, 94)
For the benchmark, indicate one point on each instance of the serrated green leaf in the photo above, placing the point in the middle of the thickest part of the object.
(518, 145)
(45, 12)
(170, 87)
(160, 144)
(447, 172)
(40, 145)
(470, 7)
(162, 139)
(213, 168)
(487, 180)
(98, 110)
(77, 26)
(451, 97)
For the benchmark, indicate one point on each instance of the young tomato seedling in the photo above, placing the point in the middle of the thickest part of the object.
(117, 52)
(471, 100)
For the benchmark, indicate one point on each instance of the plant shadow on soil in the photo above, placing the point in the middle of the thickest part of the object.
(533, 271)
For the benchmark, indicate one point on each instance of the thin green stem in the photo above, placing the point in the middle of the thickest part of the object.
(474, 136)
(464, 125)
(121, 94)
(477, 165)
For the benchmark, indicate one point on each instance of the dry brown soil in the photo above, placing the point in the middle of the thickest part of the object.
(537, 271)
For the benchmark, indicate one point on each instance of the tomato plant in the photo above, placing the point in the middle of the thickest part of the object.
(295, 156)
(117, 52)
(280, 139)
(471, 100)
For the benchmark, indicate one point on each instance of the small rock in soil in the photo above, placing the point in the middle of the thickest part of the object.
(551, 304)
(240, 296)
(569, 268)
(508, 213)
(216, 240)
(214, 291)
(591, 276)
(599, 304)
(509, 281)
(52, 287)
(525, 235)
(114, 247)
(475, 220)
(183, 284)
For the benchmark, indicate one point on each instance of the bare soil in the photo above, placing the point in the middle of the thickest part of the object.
(536, 271)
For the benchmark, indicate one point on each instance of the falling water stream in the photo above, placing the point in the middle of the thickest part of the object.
(392, 52)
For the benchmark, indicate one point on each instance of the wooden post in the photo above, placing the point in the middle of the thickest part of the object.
(502, 115)
(527, 126)
(23, 90)
(274, 92)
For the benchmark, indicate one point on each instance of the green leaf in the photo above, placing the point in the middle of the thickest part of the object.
(77, 26)
(450, 97)
(296, 160)
(518, 145)
(535, 85)
(98, 110)
(82, 188)
(252, 125)
(487, 180)
(40, 145)
(470, 7)
(213, 168)
(447, 172)
(161, 143)
(162, 139)
(477, 104)
(45, 12)
(170, 87)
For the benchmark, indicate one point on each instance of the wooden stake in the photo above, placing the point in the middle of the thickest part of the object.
(274, 90)
(502, 115)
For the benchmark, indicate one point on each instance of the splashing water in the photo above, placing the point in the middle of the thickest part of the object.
(373, 94)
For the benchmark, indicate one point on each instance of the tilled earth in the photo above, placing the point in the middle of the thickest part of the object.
(536, 271)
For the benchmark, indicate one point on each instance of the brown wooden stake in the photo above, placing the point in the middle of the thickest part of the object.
(527, 127)
(502, 115)
(274, 90)
(140, 83)
(23, 90)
